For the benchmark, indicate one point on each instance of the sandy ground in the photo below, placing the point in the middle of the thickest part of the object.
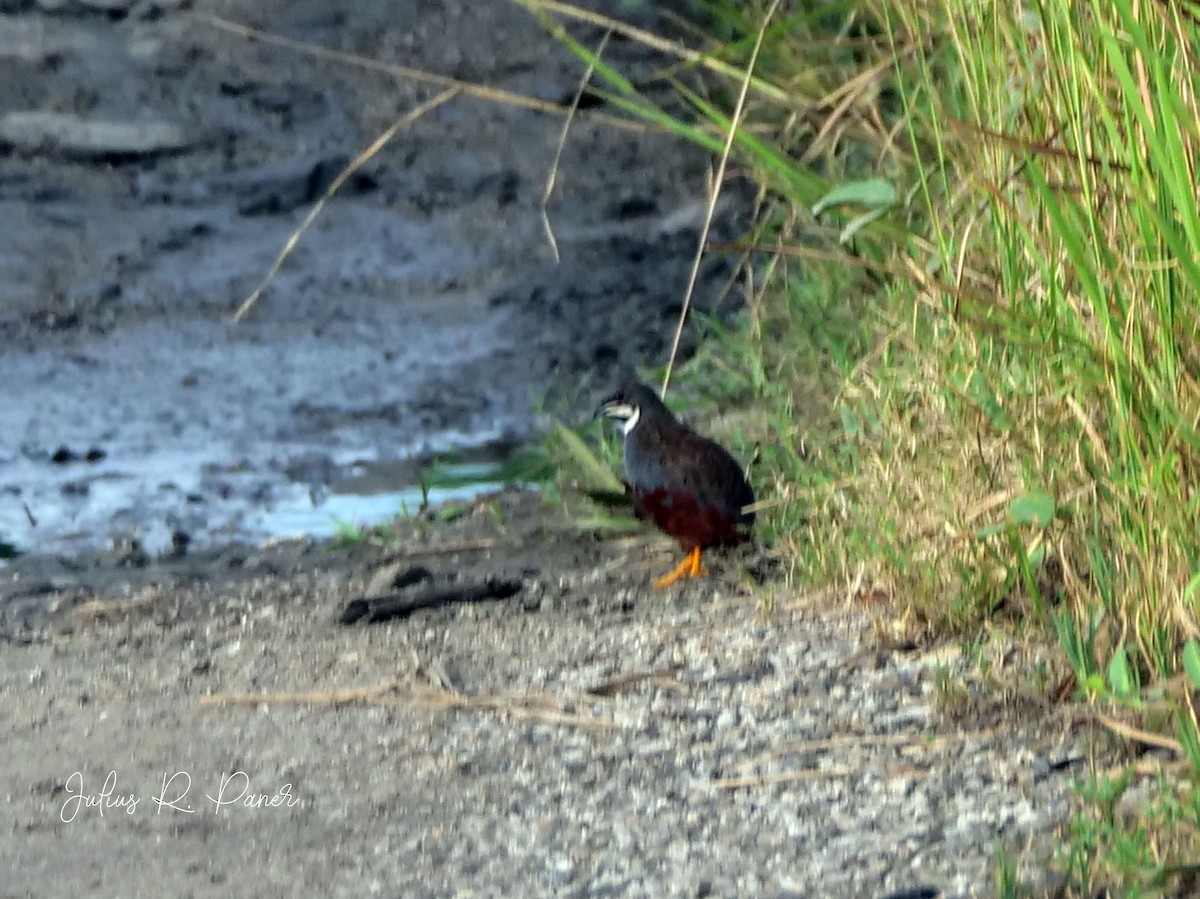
(584, 736)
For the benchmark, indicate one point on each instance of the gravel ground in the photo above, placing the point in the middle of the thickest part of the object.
(586, 737)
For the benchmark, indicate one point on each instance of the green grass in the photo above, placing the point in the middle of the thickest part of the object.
(975, 370)
(348, 534)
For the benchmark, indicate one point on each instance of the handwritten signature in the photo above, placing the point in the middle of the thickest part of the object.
(233, 791)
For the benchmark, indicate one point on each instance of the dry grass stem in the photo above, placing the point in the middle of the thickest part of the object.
(715, 192)
(766, 780)
(354, 165)
(373, 695)
(533, 707)
(407, 73)
(98, 607)
(540, 708)
(914, 741)
(481, 544)
(653, 41)
(662, 677)
(562, 141)
(1137, 735)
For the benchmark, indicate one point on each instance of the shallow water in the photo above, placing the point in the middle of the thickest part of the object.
(154, 497)
(216, 430)
(354, 503)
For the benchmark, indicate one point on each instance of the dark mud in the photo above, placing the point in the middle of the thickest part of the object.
(152, 166)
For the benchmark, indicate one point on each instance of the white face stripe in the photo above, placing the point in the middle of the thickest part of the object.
(631, 422)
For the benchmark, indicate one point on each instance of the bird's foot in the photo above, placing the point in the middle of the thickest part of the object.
(689, 567)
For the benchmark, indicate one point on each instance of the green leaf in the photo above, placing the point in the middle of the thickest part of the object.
(1120, 678)
(859, 222)
(1188, 738)
(1034, 507)
(850, 423)
(990, 530)
(989, 404)
(874, 192)
(1191, 661)
(593, 472)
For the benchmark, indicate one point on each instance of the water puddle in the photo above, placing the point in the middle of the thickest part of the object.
(164, 498)
(174, 427)
(374, 494)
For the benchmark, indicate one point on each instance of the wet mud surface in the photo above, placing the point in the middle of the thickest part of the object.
(152, 165)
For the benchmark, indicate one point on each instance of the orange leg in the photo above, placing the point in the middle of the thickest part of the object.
(689, 567)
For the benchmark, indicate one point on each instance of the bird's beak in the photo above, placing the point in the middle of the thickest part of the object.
(607, 408)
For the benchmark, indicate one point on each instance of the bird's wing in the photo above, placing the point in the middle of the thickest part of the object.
(692, 464)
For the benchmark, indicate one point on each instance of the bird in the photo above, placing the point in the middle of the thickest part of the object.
(688, 485)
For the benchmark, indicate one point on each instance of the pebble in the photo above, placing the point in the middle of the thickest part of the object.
(35, 131)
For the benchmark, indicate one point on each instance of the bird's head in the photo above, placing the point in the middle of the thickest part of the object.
(633, 402)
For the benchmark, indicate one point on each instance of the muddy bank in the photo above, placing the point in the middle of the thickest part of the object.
(151, 167)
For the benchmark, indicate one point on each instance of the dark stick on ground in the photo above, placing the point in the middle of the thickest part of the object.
(373, 609)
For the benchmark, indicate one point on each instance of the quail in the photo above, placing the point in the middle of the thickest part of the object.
(687, 484)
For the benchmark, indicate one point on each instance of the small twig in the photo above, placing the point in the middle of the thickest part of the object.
(663, 677)
(714, 193)
(99, 608)
(654, 41)
(372, 695)
(987, 504)
(1149, 767)
(916, 741)
(407, 73)
(442, 549)
(803, 252)
(829, 743)
(536, 708)
(1137, 735)
(736, 783)
(562, 141)
(354, 165)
